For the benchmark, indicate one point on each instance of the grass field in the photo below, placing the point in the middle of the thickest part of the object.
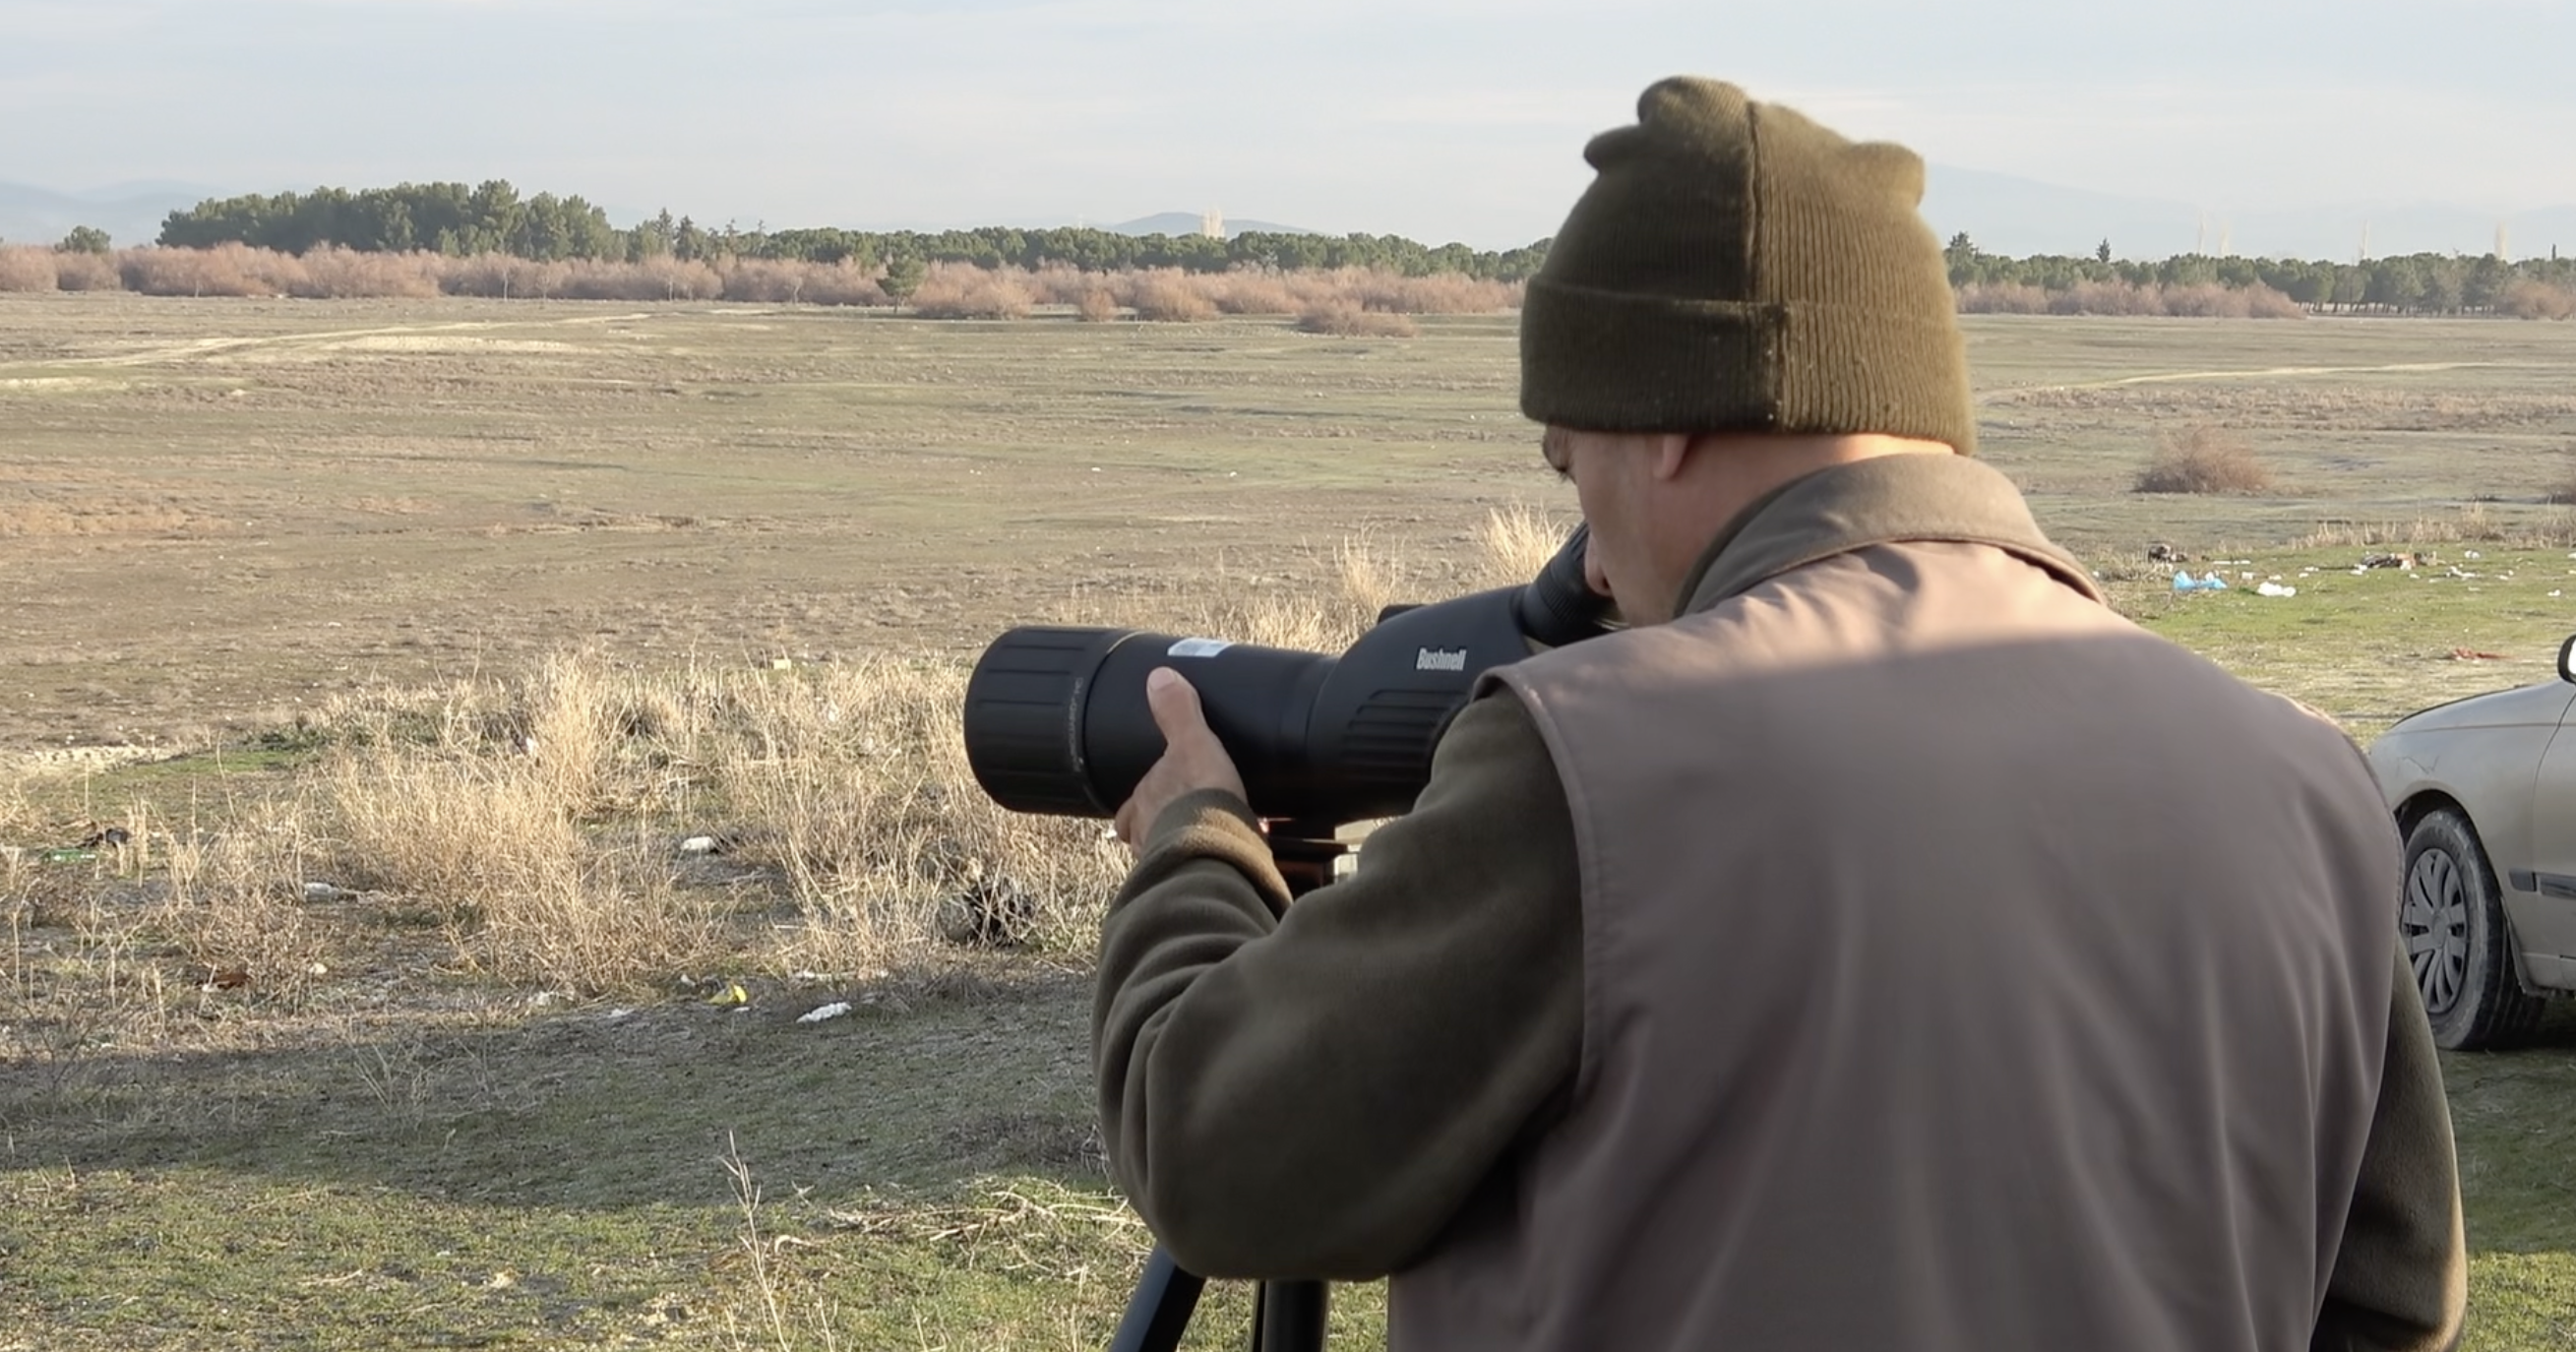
(265, 558)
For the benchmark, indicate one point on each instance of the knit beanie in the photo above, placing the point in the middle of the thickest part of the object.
(1736, 267)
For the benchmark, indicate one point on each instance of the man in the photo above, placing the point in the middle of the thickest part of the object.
(1878, 944)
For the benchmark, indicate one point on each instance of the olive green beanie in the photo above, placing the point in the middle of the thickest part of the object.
(1736, 267)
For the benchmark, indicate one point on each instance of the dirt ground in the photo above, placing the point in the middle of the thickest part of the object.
(214, 513)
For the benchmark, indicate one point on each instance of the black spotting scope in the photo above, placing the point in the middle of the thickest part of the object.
(1056, 720)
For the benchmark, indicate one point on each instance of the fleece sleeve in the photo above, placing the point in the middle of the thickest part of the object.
(2400, 1280)
(1312, 1090)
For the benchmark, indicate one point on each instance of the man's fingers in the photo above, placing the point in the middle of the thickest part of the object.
(1175, 703)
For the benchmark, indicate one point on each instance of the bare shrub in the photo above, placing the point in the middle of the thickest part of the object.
(2263, 302)
(790, 281)
(334, 273)
(224, 270)
(1166, 294)
(2203, 459)
(2002, 298)
(963, 291)
(1342, 319)
(2526, 298)
(1254, 293)
(1095, 305)
(1063, 284)
(25, 267)
(86, 271)
(663, 278)
(1442, 293)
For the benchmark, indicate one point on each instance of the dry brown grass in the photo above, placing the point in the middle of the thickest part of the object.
(79, 270)
(2204, 459)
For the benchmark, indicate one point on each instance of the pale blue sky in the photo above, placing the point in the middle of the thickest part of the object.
(1439, 119)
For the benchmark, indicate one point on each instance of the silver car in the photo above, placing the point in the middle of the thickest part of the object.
(2485, 794)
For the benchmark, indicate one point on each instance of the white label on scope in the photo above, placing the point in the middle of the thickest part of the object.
(1200, 647)
(1440, 659)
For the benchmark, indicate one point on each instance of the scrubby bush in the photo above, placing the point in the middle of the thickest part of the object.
(2529, 299)
(332, 273)
(2202, 459)
(86, 272)
(1254, 293)
(224, 270)
(1095, 305)
(25, 268)
(963, 291)
(1167, 295)
(1343, 319)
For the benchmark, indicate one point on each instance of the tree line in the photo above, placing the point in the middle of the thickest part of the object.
(457, 221)
(2419, 283)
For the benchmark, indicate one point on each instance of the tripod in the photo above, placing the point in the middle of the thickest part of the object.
(1286, 1316)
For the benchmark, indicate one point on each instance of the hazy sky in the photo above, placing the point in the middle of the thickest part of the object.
(1439, 119)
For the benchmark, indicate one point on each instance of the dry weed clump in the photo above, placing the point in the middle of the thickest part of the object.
(2206, 300)
(963, 291)
(26, 267)
(2203, 459)
(2526, 298)
(225, 270)
(784, 281)
(79, 270)
(236, 909)
(333, 273)
(1255, 293)
(1096, 305)
(2002, 298)
(1169, 295)
(1344, 319)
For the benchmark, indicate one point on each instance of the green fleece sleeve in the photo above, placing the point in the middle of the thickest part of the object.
(2401, 1278)
(1313, 1090)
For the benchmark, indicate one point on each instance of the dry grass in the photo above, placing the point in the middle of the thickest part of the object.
(2204, 459)
(2471, 524)
(533, 828)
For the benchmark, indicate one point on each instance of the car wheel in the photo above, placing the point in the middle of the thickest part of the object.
(2452, 921)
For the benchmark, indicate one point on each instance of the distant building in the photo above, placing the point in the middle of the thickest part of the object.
(1212, 223)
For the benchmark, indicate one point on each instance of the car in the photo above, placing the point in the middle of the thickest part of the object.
(2484, 790)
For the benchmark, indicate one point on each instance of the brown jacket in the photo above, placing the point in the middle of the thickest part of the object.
(1911, 992)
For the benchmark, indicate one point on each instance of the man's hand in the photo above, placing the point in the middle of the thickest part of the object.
(1193, 759)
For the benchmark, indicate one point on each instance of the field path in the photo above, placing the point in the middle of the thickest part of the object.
(209, 347)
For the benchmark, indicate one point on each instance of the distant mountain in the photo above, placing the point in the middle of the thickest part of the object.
(2019, 216)
(130, 213)
(1187, 223)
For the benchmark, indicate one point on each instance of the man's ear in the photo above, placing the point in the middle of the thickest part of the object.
(1672, 451)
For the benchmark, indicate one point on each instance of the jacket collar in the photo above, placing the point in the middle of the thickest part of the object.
(1888, 500)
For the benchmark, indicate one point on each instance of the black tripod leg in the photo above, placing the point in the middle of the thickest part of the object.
(1160, 1309)
(1288, 1317)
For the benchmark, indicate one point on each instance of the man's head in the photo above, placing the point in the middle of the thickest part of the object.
(1739, 283)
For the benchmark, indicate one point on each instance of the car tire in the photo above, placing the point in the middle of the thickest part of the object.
(2451, 918)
